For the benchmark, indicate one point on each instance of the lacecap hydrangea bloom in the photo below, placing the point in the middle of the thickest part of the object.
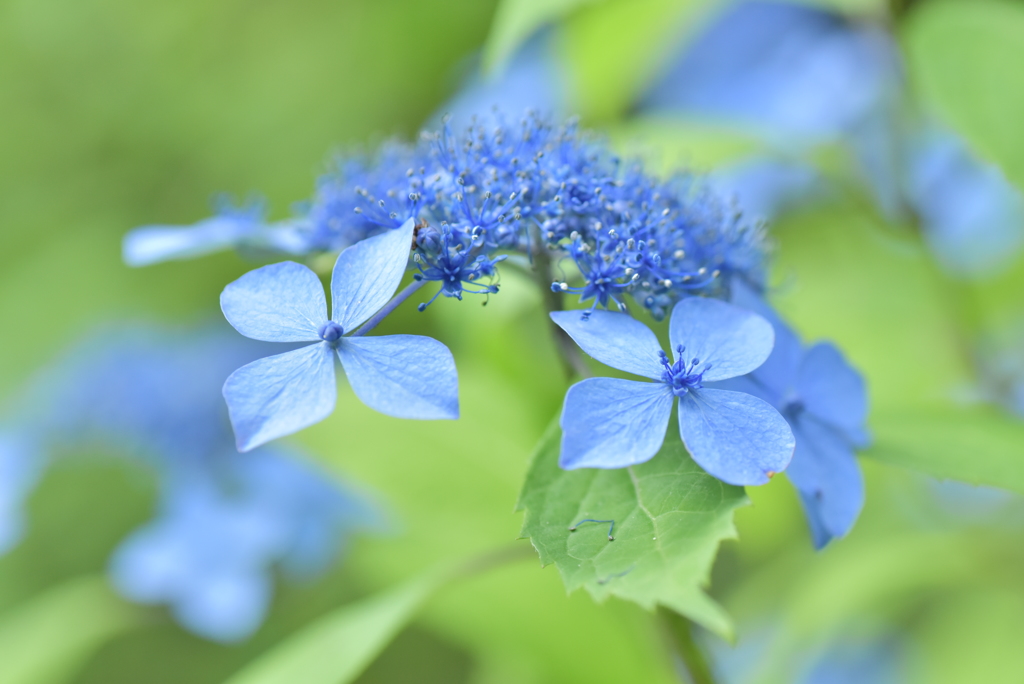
(532, 194)
(613, 423)
(523, 186)
(406, 376)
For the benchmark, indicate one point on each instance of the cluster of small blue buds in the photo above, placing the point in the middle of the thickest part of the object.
(522, 186)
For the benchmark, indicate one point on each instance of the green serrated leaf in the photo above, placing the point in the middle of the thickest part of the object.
(338, 647)
(980, 444)
(670, 517)
(516, 20)
(53, 634)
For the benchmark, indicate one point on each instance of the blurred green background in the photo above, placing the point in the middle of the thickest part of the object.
(116, 114)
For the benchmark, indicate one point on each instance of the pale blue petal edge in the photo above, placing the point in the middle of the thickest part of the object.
(153, 244)
(226, 607)
(826, 474)
(281, 394)
(732, 339)
(735, 437)
(613, 423)
(832, 389)
(615, 339)
(405, 376)
(367, 274)
(282, 302)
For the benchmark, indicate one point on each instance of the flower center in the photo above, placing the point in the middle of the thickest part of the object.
(682, 376)
(331, 332)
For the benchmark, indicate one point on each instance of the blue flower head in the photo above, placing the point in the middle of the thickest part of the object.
(211, 551)
(406, 376)
(824, 400)
(612, 423)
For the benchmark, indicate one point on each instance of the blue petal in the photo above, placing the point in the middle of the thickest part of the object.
(277, 303)
(152, 244)
(612, 423)
(733, 340)
(973, 218)
(281, 394)
(405, 376)
(832, 390)
(779, 68)
(765, 188)
(367, 274)
(777, 376)
(226, 607)
(615, 339)
(825, 472)
(736, 437)
(21, 466)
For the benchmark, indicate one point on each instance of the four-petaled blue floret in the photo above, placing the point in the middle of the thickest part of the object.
(825, 402)
(614, 423)
(406, 376)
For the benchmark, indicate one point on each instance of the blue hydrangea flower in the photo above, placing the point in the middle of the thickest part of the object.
(825, 402)
(227, 522)
(406, 376)
(211, 552)
(783, 70)
(613, 423)
(972, 218)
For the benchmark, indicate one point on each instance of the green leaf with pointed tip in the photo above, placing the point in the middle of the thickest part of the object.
(979, 444)
(670, 517)
(338, 647)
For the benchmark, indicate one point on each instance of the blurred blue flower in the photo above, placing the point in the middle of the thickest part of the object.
(824, 400)
(211, 552)
(857, 654)
(406, 376)
(764, 187)
(227, 522)
(780, 69)
(21, 465)
(971, 217)
(533, 78)
(230, 227)
(613, 423)
(855, 661)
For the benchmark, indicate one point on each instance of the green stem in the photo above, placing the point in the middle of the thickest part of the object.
(568, 353)
(680, 631)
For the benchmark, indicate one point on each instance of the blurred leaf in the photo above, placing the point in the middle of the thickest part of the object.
(670, 517)
(53, 634)
(878, 8)
(616, 47)
(338, 647)
(516, 20)
(978, 444)
(965, 57)
(669, 144)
